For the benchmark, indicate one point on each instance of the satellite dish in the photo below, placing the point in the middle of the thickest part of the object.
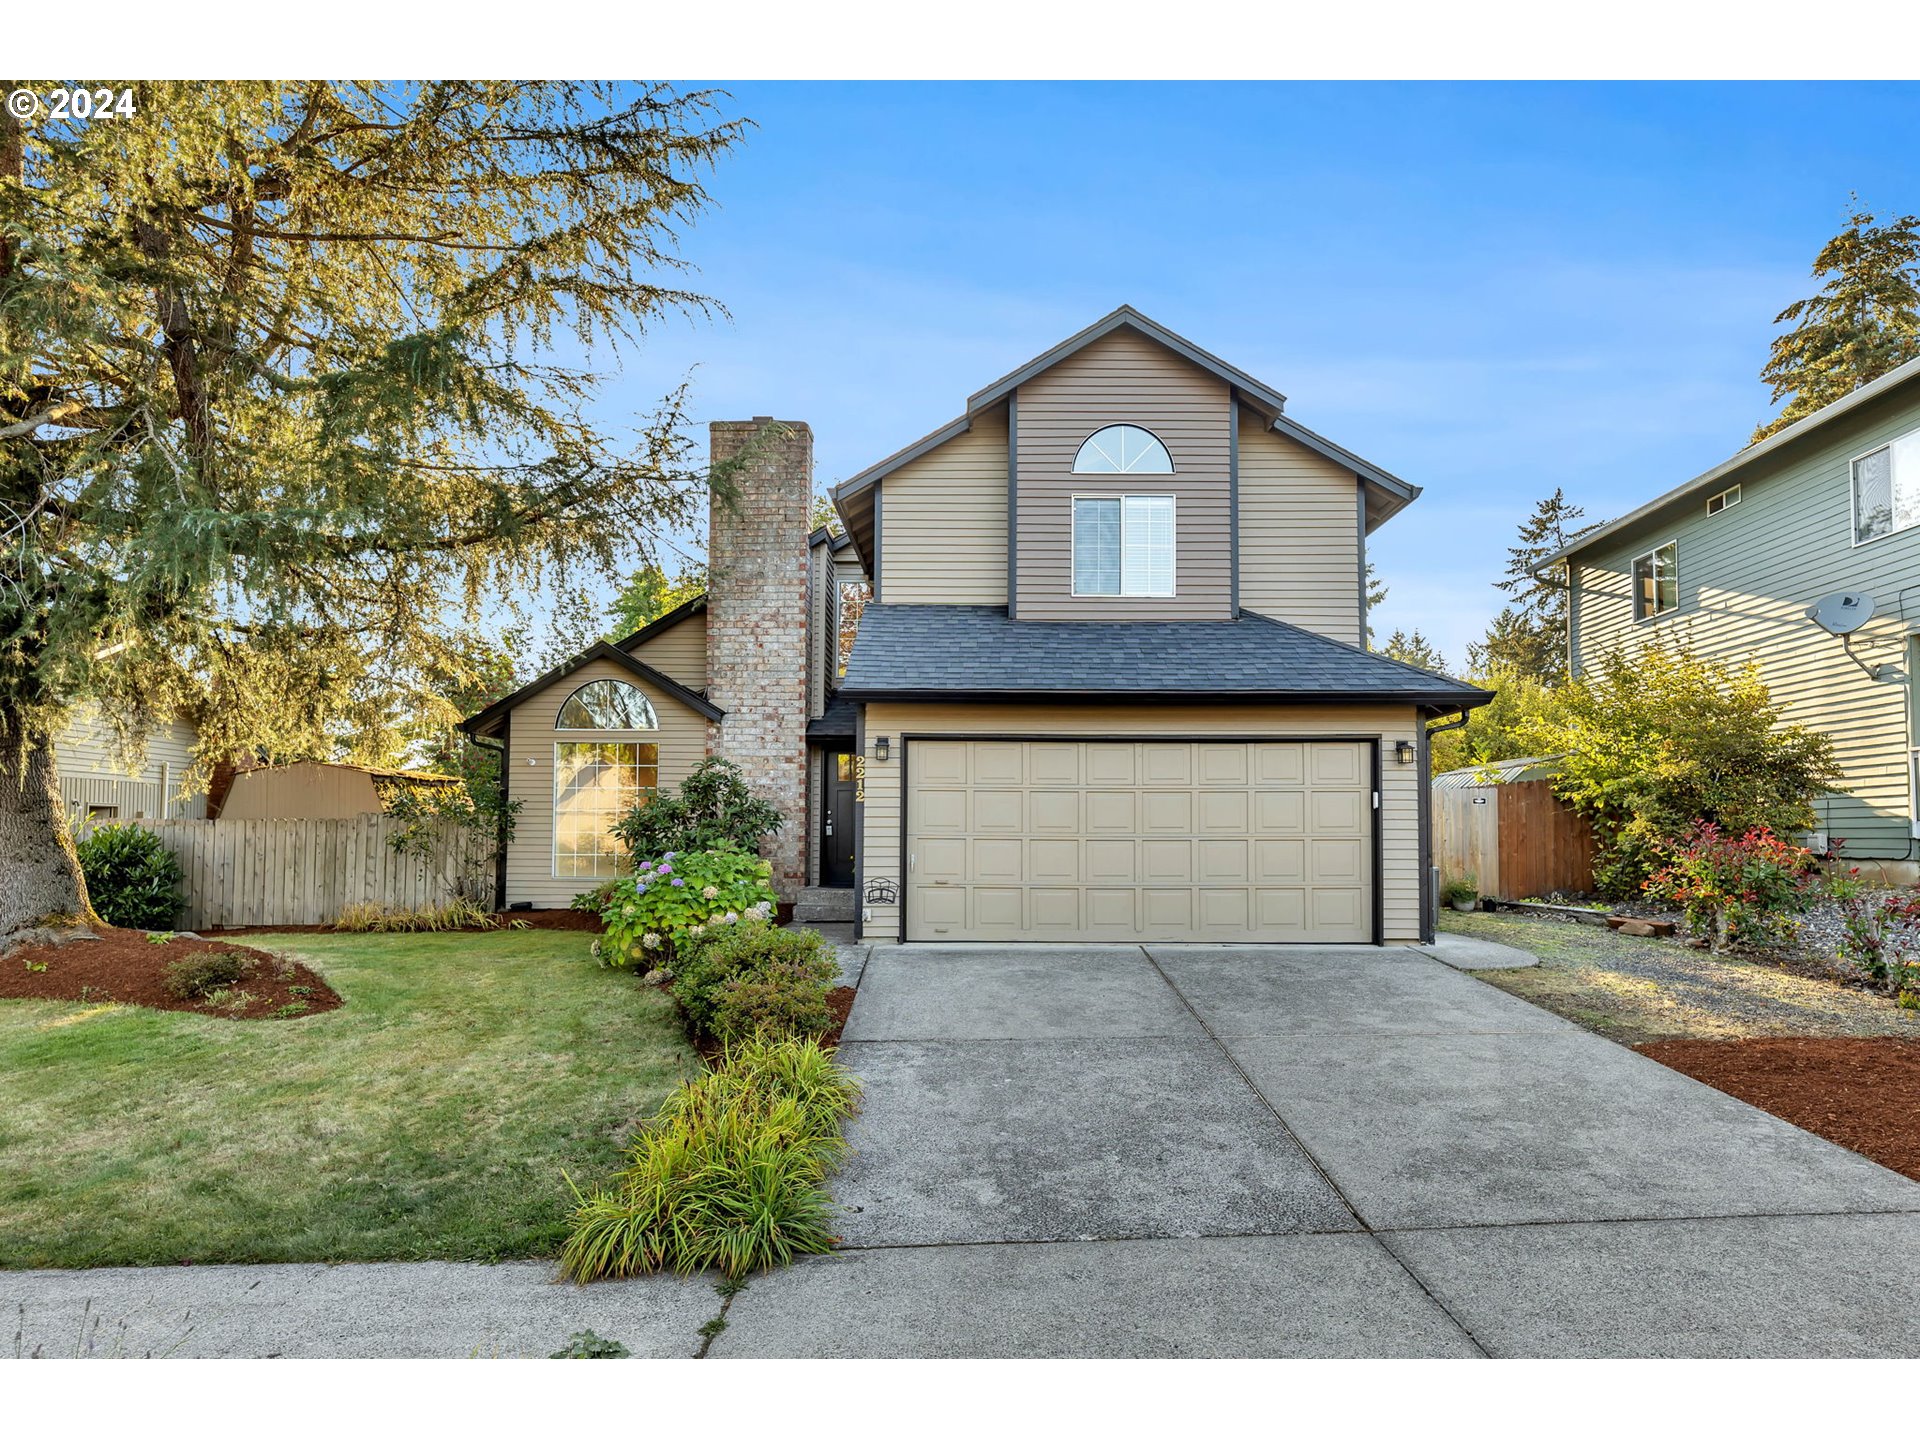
(1843, 612)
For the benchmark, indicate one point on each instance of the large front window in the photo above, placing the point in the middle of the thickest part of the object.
(595, 782)
(1886, 489)
(1123, 545)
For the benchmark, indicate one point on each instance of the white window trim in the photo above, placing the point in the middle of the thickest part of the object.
(607, 737)
(1633, 584)
(1073, 546)
(1726, 503)
(1853, 490)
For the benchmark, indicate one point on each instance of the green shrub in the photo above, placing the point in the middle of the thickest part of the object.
(732, 981)
(1461, 890)
(595, 900)
(1742, 889)
(664, 903)
(195, 977)
(728, 1176)
(713, 807)
(1656, 741)
(1880, 936)
(132, 878)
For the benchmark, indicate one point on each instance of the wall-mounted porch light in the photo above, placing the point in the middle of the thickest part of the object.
(1403, 751)
(880, 748)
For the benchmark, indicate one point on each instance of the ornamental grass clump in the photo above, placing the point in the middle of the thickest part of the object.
(729, 1176)
(1742, 889)
(650, 914)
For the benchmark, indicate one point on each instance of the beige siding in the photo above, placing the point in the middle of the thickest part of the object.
(682, 740)
(1121, 378)
(943, 522)
(94, 772)
(679, 652)
(1399, 814)
(305, 791)
(1299, 534)
(1747, 576)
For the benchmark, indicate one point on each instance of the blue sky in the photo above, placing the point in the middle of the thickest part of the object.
(1489, 290)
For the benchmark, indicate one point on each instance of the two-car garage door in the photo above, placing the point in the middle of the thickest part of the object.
(1262, 840)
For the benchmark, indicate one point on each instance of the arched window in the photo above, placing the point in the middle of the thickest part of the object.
(1122, 450)
(607, 705)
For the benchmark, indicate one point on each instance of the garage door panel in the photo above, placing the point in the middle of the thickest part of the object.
(999, 762)
(1141, 840)
(997, 862)
(1054, 812)
(1054, 763)
(1280, 812)
(1166, 862)
(1053, 912)
(1223, 812)
(1222, 862)
(1166, 812)
(939, 859)
(1112, 812)
(1002, 811)
(1166, 764)
(1053, 861)
(1111, 862)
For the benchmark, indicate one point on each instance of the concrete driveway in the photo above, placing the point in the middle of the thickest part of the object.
(1184, 1151)
(1181, 1150)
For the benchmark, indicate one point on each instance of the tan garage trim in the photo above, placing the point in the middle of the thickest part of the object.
(1252, 838)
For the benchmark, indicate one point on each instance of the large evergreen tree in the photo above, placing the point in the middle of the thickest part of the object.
(281, 411)
(1529, 636)
(1864, 321)
(1413, 648)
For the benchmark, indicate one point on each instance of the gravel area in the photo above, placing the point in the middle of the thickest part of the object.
(1637, 990)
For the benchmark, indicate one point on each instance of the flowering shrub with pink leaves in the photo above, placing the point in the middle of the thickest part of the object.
(681, 895)
(1742, 889)
(1880, 935)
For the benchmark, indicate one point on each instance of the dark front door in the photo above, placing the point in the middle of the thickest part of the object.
(836, 820)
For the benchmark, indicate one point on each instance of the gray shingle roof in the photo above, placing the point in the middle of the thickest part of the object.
(841, 719)
(975, 651)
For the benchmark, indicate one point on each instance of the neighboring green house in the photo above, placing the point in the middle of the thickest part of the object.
(1731, 562)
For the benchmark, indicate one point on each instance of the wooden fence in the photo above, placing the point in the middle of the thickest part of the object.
(1515, 840)
(305, 872)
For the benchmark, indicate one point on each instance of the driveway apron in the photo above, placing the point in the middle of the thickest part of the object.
(1184, 1150)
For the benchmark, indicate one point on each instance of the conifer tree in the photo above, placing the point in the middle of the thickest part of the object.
(282, 408)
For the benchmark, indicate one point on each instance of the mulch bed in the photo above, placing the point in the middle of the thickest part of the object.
(125, 967)
(1863, 1094)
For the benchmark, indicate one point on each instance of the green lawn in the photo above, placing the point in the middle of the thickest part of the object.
(428, 1118)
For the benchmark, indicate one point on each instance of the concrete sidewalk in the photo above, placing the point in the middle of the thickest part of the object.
(1182, 1150)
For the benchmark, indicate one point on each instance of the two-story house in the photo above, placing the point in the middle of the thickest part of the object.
(1111, 684)
(1730, 564)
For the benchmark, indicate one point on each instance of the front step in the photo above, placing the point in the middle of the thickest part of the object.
(824, 905)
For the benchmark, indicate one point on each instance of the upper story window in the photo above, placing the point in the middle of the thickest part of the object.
(1656, 582)
(1886, 489)
(1122, 450)
(1725, 500)
(1123, 545)
(607, 705)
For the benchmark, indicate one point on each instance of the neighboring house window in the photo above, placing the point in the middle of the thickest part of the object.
(1656, 582)
(1122, 450)
(606, 705)
(1886, 489)
(595, 782)
(1724, 500)
(1123, 545)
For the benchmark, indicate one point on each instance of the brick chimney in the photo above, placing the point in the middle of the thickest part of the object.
(757, 620)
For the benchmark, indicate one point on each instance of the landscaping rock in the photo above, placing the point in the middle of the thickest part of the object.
(1628, 925)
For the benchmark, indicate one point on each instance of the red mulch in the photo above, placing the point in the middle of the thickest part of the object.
(125, 967)
(840, 1002)
(1863, 1094)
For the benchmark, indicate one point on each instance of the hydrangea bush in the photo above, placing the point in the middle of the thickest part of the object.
(680, 896)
